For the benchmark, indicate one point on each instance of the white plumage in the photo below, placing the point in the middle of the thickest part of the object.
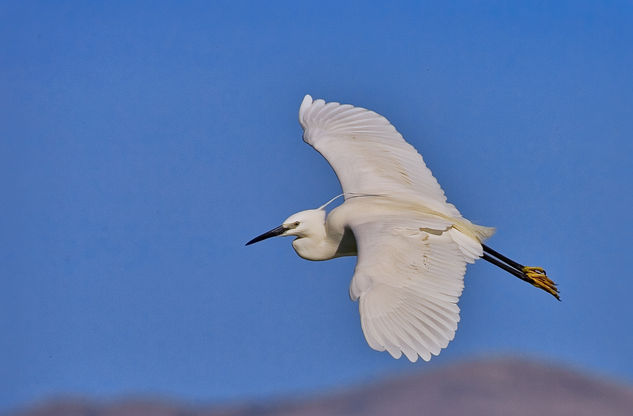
(412, 245)
(368, 154)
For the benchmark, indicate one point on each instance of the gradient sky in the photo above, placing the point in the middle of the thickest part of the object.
(143, 144)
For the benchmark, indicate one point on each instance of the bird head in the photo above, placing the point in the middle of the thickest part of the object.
(300, 224)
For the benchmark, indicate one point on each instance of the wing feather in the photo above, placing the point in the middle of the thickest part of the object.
(368, 154)
(408, 281)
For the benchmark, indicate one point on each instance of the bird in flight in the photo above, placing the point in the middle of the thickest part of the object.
(412, 245)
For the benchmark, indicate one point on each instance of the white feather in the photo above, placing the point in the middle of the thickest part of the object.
(368, 154)
(412, 245)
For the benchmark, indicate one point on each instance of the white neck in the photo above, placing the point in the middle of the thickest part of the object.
(316, 245)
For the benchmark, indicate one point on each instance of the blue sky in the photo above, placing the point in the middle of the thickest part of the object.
(142, 144)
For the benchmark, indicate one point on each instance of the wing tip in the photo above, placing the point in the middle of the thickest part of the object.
(305, 104)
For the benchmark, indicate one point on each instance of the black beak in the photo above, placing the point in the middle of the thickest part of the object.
(272, 233)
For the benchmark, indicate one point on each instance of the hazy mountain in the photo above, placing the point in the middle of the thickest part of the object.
(492, 387)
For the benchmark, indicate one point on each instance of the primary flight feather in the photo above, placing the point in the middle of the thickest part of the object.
(412, 245)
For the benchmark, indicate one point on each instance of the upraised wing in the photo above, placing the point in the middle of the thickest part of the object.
(368, 155)
(408, 280)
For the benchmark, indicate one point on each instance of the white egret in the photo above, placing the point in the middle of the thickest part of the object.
(412, 245)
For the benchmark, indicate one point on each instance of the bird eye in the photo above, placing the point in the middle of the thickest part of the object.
(296, 224)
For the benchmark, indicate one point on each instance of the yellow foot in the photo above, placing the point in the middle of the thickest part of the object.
(537, 277)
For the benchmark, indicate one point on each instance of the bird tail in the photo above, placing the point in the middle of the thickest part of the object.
(479, 232)
(482, 232)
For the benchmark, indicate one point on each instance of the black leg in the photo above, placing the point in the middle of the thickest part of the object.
(502, 257)
(535, 276)
(504, 266)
